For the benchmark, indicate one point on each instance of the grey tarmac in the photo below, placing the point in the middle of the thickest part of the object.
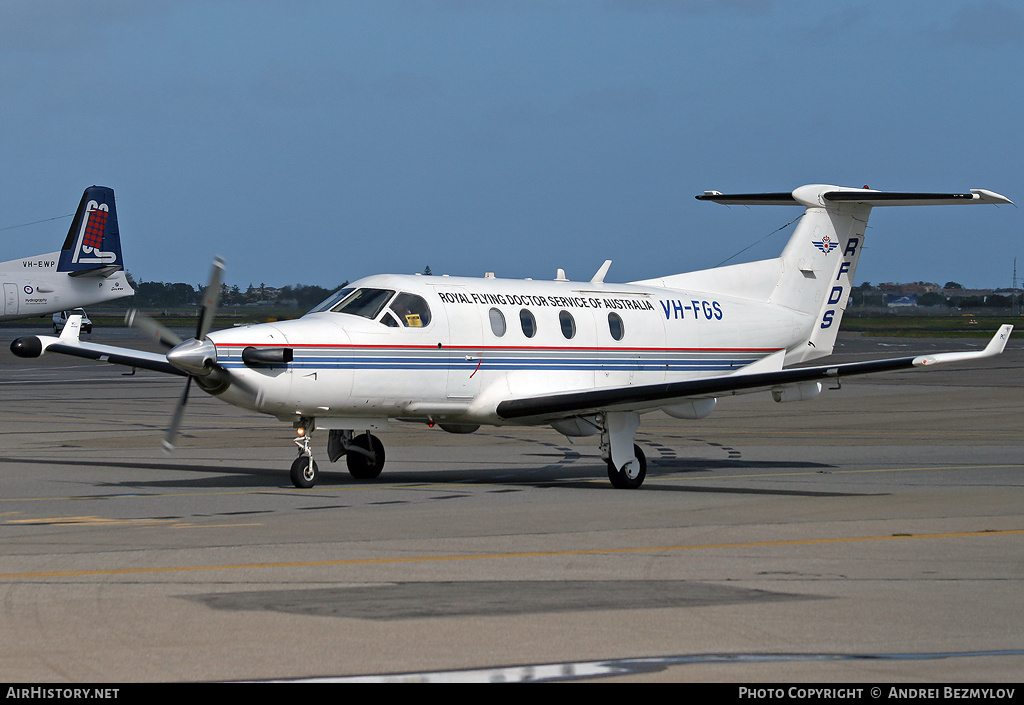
(874, 534)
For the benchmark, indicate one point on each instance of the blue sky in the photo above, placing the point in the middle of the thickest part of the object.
(318, 142)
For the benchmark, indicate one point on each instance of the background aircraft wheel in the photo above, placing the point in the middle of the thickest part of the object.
(621, 480)
(360, 466)
(302, 475)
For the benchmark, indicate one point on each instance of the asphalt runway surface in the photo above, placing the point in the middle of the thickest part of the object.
(872, 535)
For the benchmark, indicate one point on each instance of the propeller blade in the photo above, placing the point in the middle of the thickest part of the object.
(179, 413)
(151, 328)
(211, 297)
(197, 356)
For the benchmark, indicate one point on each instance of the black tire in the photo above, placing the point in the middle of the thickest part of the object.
(621, 481)
(303, 476)
(360, 466)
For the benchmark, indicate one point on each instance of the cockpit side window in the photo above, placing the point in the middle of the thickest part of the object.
(412, 310)
(367, 303)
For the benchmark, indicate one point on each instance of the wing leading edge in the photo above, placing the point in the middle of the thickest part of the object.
(654, 395)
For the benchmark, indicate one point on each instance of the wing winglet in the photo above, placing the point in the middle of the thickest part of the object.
(995, 346)
(72, 328)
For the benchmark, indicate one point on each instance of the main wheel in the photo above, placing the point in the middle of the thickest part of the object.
(303, 474)
(363, 467)
(629, 480)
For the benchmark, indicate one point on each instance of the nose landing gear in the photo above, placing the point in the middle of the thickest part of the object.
(304, 470)
(364, 454)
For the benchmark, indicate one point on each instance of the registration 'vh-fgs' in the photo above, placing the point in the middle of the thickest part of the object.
(88, 270)
(584, 357)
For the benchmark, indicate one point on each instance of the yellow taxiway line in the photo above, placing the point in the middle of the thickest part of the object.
(502, 556)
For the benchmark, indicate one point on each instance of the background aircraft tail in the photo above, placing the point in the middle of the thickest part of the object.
(93, 244)
(814, 274)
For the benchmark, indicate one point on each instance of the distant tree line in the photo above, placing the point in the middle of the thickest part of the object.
(172, 295)
(951, 295)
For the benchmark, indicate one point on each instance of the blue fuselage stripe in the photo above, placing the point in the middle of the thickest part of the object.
(418, 361)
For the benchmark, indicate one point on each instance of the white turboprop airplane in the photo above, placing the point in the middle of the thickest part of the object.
(583, 357)
(88, 269)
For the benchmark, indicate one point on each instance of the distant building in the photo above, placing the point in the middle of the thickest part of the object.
(913, 289)
(900, 301)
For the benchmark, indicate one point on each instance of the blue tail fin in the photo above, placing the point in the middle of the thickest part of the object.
(93, 242)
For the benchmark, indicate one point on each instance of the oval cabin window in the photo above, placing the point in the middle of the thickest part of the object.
(528, 322)
(568, 324)
(497, 322)
(615, 326)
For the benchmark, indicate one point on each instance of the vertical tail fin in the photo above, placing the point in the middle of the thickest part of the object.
(818, 265)
(93, 242)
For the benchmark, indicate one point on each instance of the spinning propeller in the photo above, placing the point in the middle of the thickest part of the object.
(196, 357)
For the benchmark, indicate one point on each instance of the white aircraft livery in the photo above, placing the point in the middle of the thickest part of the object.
(586, 358)
(88, 269)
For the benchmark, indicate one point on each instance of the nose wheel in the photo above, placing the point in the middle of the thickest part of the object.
(304, 472)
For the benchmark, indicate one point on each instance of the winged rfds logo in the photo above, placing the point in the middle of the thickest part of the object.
(90, 236)
(825, 244)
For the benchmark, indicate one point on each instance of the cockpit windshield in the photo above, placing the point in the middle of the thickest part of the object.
(364, 302)
(334, 298)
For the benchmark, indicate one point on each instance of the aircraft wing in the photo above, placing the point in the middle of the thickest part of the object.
(652, 396)
(563, 404)
(69, 344)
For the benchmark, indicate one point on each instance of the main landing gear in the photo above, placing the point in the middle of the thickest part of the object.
(364, 454)
(631, 475)
(626, 469)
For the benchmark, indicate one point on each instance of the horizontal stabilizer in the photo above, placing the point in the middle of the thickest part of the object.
(893, 198)
(749, 199)
(104, 271)
(811, 196)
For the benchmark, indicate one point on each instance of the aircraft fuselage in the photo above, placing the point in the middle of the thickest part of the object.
(490, 339)
(32, 286)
